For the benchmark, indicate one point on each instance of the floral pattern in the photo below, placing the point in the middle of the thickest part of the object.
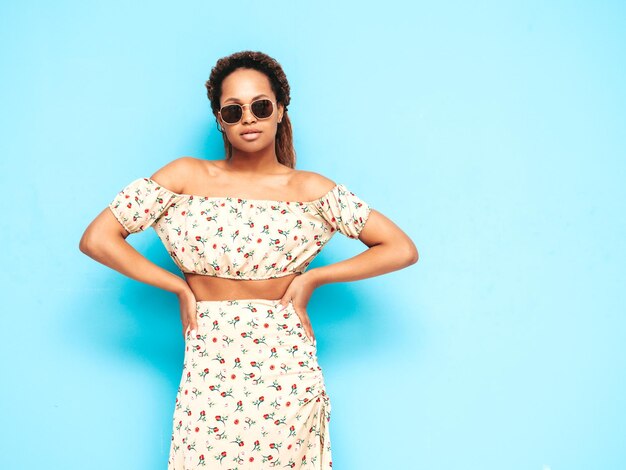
(235, 237)
(252, 393)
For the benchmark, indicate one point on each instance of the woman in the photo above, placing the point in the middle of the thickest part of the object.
(243, 230)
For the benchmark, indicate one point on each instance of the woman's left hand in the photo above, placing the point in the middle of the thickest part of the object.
(299, 292)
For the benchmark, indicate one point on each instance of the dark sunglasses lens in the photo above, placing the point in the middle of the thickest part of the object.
(262, 108)
(231, 113)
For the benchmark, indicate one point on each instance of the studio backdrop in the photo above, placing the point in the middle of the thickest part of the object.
(492, 133)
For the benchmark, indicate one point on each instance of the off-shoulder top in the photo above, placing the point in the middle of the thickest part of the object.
(239, 238)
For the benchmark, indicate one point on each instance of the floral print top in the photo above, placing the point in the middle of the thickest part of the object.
(239, 238)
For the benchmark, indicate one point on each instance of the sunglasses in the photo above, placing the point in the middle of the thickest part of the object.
(232, 113)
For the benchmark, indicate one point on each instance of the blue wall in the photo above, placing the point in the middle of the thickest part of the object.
(491, 132)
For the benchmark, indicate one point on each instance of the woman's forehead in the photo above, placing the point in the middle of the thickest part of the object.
(244, 85)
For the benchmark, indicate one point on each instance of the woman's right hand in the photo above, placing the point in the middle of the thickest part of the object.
(188, 315)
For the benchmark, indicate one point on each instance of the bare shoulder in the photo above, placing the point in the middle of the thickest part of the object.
(314, 185)
(174, 174)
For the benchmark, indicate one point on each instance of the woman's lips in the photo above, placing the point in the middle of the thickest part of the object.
(250, 136)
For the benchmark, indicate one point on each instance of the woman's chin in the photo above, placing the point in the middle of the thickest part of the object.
(253, 146)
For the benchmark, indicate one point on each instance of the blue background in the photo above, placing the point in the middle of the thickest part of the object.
(491, 132)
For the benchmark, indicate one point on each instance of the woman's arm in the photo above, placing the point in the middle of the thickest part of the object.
(390, 249)
(104, 240)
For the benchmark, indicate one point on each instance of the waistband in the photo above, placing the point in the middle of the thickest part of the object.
(226, 302)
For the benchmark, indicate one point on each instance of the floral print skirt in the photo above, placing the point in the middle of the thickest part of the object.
(252, 394)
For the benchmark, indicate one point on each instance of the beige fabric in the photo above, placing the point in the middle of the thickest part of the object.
(239, 238)
(252, 393)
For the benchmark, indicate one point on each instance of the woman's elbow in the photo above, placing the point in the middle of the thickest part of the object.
(411, 254)
(87, 244)
(404, 251)
(91, 242)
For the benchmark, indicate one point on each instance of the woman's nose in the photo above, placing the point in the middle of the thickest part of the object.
(247, 115)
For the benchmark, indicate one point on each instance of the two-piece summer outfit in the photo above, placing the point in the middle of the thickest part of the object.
(252, 394)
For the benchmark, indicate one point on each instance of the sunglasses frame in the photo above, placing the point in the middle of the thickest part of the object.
(242, 106)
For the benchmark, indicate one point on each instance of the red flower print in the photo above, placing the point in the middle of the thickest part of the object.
(216, 237)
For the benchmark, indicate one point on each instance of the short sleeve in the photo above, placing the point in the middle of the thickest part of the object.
(140, 204)
(344, 211)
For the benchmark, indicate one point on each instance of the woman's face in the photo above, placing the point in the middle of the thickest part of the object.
(242, 86)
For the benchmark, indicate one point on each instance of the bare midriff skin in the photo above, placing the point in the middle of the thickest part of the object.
(219, 288)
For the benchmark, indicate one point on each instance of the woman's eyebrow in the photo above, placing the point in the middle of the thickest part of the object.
(239, 101)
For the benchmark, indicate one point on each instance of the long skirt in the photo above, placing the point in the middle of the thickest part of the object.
(252, 394)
